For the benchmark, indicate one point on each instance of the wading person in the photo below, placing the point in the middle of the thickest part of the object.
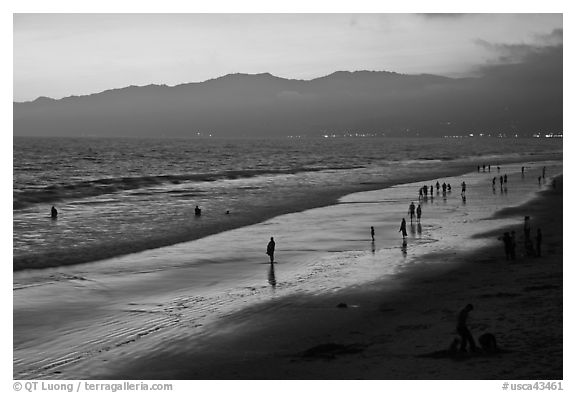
(54, 213)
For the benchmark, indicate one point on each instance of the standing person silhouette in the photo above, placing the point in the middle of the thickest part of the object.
(53, 213)
(270, 249)
(418, 212)
(463, 188)
(411, 210)
(463, 331)
(372, 233)
(403, 229)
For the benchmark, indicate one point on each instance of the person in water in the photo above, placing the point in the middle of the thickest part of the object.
(403, 228)
(54, 212)
(463, 331)
(270, 249)
(197, 211)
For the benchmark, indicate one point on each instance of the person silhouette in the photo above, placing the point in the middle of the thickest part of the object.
(505, 179)
(197, 211)
(270, 249)
(372, 233)
(539, 180)
(411, 209)
(463, 331)
(403, 228)
(463, 188)
(418, 212)
(53, 213)
(437, 187)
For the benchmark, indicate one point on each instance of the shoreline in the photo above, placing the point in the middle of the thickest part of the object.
(390, 330)
(196, 307)
(83, 256)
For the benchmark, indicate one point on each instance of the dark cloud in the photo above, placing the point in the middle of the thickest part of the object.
(547, 45)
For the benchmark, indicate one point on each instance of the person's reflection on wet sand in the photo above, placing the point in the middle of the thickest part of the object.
(404, 248)
(373, 248)
(419, 229)
(412, 229)
(272, 276)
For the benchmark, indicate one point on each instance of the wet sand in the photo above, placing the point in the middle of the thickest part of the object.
(399, 331)
(283, 322)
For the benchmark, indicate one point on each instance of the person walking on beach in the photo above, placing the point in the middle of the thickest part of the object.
(270, 249)
(418, 213)
(505, 179)
(437, 187)
(539, 181)
(501, 181)
(538, 243)
(488, 168)
(411, 209)
(372, 233)
(444, 188)
(403, 229)
(54, 213)
(463, 331)
(522, 171)
(449, 188)
(494, 182)
(463, 188)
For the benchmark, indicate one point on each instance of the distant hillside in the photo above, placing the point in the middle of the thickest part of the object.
(262, 104)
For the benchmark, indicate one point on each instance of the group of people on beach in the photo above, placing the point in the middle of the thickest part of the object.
(509, 239)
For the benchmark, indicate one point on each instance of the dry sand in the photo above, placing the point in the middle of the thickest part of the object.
(398, 330)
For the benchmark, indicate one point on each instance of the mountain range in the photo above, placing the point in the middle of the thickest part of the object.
(508, 98)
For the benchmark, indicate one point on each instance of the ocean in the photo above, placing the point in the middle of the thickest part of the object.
(119, 196)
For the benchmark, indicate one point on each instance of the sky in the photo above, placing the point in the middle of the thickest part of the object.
(58, 55)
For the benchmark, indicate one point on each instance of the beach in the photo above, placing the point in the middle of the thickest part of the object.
(400, 333)
(335, 306)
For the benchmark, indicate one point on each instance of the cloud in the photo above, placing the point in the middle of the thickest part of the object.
(545, 45)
